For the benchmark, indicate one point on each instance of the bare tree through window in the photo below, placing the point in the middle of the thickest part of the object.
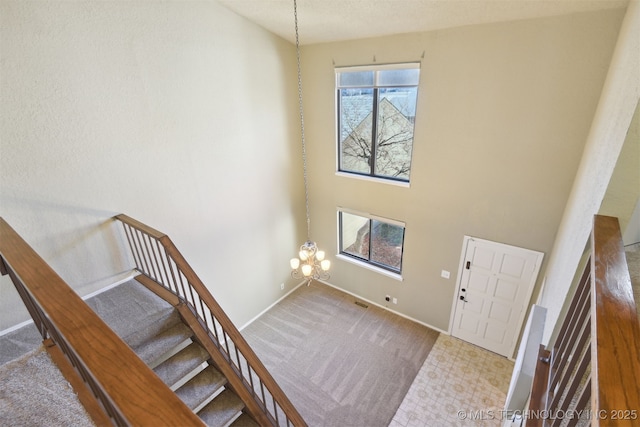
(376, 122)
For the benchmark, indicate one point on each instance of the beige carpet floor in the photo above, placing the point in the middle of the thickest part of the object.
(340, 363)
(33, 393)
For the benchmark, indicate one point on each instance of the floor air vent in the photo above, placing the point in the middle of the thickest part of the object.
(361, 304)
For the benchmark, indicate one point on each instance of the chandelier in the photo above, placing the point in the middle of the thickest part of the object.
(311, 263)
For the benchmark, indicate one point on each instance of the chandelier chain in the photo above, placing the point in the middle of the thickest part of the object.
(304, 148)
(311, 264)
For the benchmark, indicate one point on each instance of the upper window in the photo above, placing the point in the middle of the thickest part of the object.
(376, 110)
(372, 240)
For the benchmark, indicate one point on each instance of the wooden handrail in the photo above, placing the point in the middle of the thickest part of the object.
(157, 258)
(615, 350)
(601, 331)
(539, 387)
(127, 390)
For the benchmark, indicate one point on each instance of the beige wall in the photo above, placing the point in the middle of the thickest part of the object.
(183, 115)
(610, 127)
(180, 114)
(632, 232)
(503, 114)
(623, 192)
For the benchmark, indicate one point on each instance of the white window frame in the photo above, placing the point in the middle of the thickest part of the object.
(363, 263)
(377, 67)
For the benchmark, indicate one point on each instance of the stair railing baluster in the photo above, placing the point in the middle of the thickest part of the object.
(251, 371)
(204, 313)
(139, 250)
(228, 345)
(583, 400)
(193, 298)
(577, 366)
(214, 328)
(107, 375)
(141, 243)
(579, 300)
(134, 249)
(151, 256)
(172, 276)
(562, 375)
(138, 239)
(275, 410)
(238, 361)
(264, 399)
(594, 362)
(158, 262)
(210, 320)
(178, 281)
(183, 292)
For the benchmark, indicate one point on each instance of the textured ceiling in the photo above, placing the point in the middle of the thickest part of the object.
(332, 20)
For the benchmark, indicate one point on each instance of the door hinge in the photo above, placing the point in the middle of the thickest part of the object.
(468, 265)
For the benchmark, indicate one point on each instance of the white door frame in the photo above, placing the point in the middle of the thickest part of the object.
(461, 267)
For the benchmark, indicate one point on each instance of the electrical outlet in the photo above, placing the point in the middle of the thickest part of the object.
(387, 298)
(395, 300)
(445, 274)
(281, 286)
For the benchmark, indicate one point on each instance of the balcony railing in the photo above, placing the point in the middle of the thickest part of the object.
(157, 258)
(113, 384)
(591, 375)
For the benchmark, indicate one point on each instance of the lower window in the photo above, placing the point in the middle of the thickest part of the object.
(372, 240)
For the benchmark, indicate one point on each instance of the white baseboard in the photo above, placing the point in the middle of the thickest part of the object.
(126, 278)
(352, 294)
(270, 307)
(386, 308)
(130, 276)
(15, 327)
(134, 273)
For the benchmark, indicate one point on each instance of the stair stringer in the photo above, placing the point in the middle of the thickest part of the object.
(220, 362)
(201, 335)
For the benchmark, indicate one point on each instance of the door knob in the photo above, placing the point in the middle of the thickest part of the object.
(462, 298)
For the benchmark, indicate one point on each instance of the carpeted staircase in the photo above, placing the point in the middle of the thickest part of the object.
(155, 331)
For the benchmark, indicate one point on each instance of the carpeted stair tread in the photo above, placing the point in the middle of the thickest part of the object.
(244, 420)
(201, 387)
(222, 410)
(152, 351)
(133, 312)
(152, 326)
(179, 365)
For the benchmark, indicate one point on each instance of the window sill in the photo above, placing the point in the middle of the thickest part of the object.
(371, 267)
(373, 179)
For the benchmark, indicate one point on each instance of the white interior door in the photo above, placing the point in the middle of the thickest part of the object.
(494, 287)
